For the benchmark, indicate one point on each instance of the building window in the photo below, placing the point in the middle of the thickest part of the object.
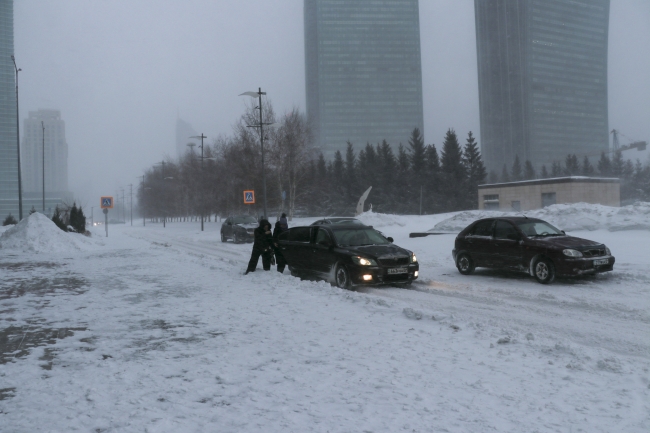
(548, 198)
(491, 201)
(516, 205)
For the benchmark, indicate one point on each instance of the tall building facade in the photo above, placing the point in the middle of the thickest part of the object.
(8, 131)
(363, 71)
(542, 68)
(44, 135)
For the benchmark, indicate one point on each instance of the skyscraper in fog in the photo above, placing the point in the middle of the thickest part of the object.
(363, 71)
(542, 68)
(8, 145)
(56, 154)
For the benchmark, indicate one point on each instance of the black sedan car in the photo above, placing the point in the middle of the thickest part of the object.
(336, 220)
(530, 245)
(239, 228)
(347, 255)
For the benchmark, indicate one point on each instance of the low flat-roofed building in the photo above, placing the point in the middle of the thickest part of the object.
(536, 194)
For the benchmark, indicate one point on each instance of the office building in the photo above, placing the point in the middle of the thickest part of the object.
(542, 69)
(363, 71)
(8, 131)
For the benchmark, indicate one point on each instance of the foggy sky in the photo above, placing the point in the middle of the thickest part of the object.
(121, 71)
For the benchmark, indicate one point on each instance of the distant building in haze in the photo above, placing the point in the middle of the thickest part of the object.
(542, 68)
(183, 133)
(56, 153)
(8, 139)
(363, 71)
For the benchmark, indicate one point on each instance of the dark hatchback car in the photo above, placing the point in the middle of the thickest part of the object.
(239, 228)
(347, 255)
(529, 245)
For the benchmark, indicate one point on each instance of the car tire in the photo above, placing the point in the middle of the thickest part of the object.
(544, 270)
(223, 238)
(342, 277)
(465, 264)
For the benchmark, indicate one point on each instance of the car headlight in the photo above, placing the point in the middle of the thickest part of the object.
(607, 251)
(363, 261)
(413, 258)
(572, 253)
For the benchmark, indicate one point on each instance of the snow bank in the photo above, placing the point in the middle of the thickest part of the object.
(569, 217)
(38, 234)
(381, 219)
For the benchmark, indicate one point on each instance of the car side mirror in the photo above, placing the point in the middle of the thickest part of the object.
(389, 239)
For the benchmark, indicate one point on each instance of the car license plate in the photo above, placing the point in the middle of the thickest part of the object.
(397, 270)
(601, 262)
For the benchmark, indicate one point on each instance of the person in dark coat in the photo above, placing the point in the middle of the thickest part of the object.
(262, 246)
(280, 226)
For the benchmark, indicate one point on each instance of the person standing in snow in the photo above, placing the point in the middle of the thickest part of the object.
(280, 226)
(262, 246)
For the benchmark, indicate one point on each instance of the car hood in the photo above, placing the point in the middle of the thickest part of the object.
(564, 242)
(248, 225)
(378, 251)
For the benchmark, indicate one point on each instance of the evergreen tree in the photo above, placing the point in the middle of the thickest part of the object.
(453, 172)
(10, 220)
(74, 216)
(58, 220)
(587, 169)
(386, 176)
(571, 166)
(517, 175)
(505, 177)
(617, 164)
(32, 210)
(604, 165)
(350, 182)
(556, 169)
(529, 171)
(544, 173)
(476, 173)
(416, 152)
(402, 162)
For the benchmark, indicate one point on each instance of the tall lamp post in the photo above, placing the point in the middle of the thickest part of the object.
(202, 195)
(43, 126)
(258, 95)
(20, 182)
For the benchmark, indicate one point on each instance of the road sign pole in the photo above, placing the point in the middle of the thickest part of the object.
(106, 220)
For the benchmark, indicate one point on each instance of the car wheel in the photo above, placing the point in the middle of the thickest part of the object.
(465, 264)
(223, 237)
(544, 270)
(342, 277)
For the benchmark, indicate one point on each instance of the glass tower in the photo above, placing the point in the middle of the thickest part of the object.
(8, 145)
(363, 71)
(542, 69)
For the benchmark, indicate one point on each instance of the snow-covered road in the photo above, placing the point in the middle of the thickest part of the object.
(157, 330)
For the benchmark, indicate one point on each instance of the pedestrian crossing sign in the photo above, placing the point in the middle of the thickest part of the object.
(249, 197)
(106, 202)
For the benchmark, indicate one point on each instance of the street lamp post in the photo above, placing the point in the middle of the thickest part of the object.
(258, 95)
(202, 195)
(43, 126)
(20, 182)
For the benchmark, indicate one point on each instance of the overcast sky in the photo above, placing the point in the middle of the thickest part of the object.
(121, 71)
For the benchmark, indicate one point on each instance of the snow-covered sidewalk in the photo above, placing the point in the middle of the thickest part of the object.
(157, 330)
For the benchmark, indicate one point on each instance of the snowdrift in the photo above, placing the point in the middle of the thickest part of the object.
(569, 217)
(381, 219)
(38, 234)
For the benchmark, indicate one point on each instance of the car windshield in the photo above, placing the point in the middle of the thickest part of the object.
(246, 219)
(538, 228)
(356, 237)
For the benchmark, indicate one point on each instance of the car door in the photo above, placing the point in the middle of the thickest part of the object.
(322, 254)
(505, 245)
(478, 243)
(295, 246)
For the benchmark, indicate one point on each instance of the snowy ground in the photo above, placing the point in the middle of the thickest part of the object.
(157, 330)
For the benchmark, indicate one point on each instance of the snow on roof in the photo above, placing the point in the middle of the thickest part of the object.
(38, 234)
(569, 217)
(552, 180)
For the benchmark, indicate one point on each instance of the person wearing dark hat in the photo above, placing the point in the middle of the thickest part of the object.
(280, 226)
(262, 246)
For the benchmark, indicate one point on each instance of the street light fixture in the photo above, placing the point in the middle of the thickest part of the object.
(258, 95)
(20, 182)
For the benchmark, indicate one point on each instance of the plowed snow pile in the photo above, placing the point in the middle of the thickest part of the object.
(381, 219)
(569, 217)
(38, 234)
